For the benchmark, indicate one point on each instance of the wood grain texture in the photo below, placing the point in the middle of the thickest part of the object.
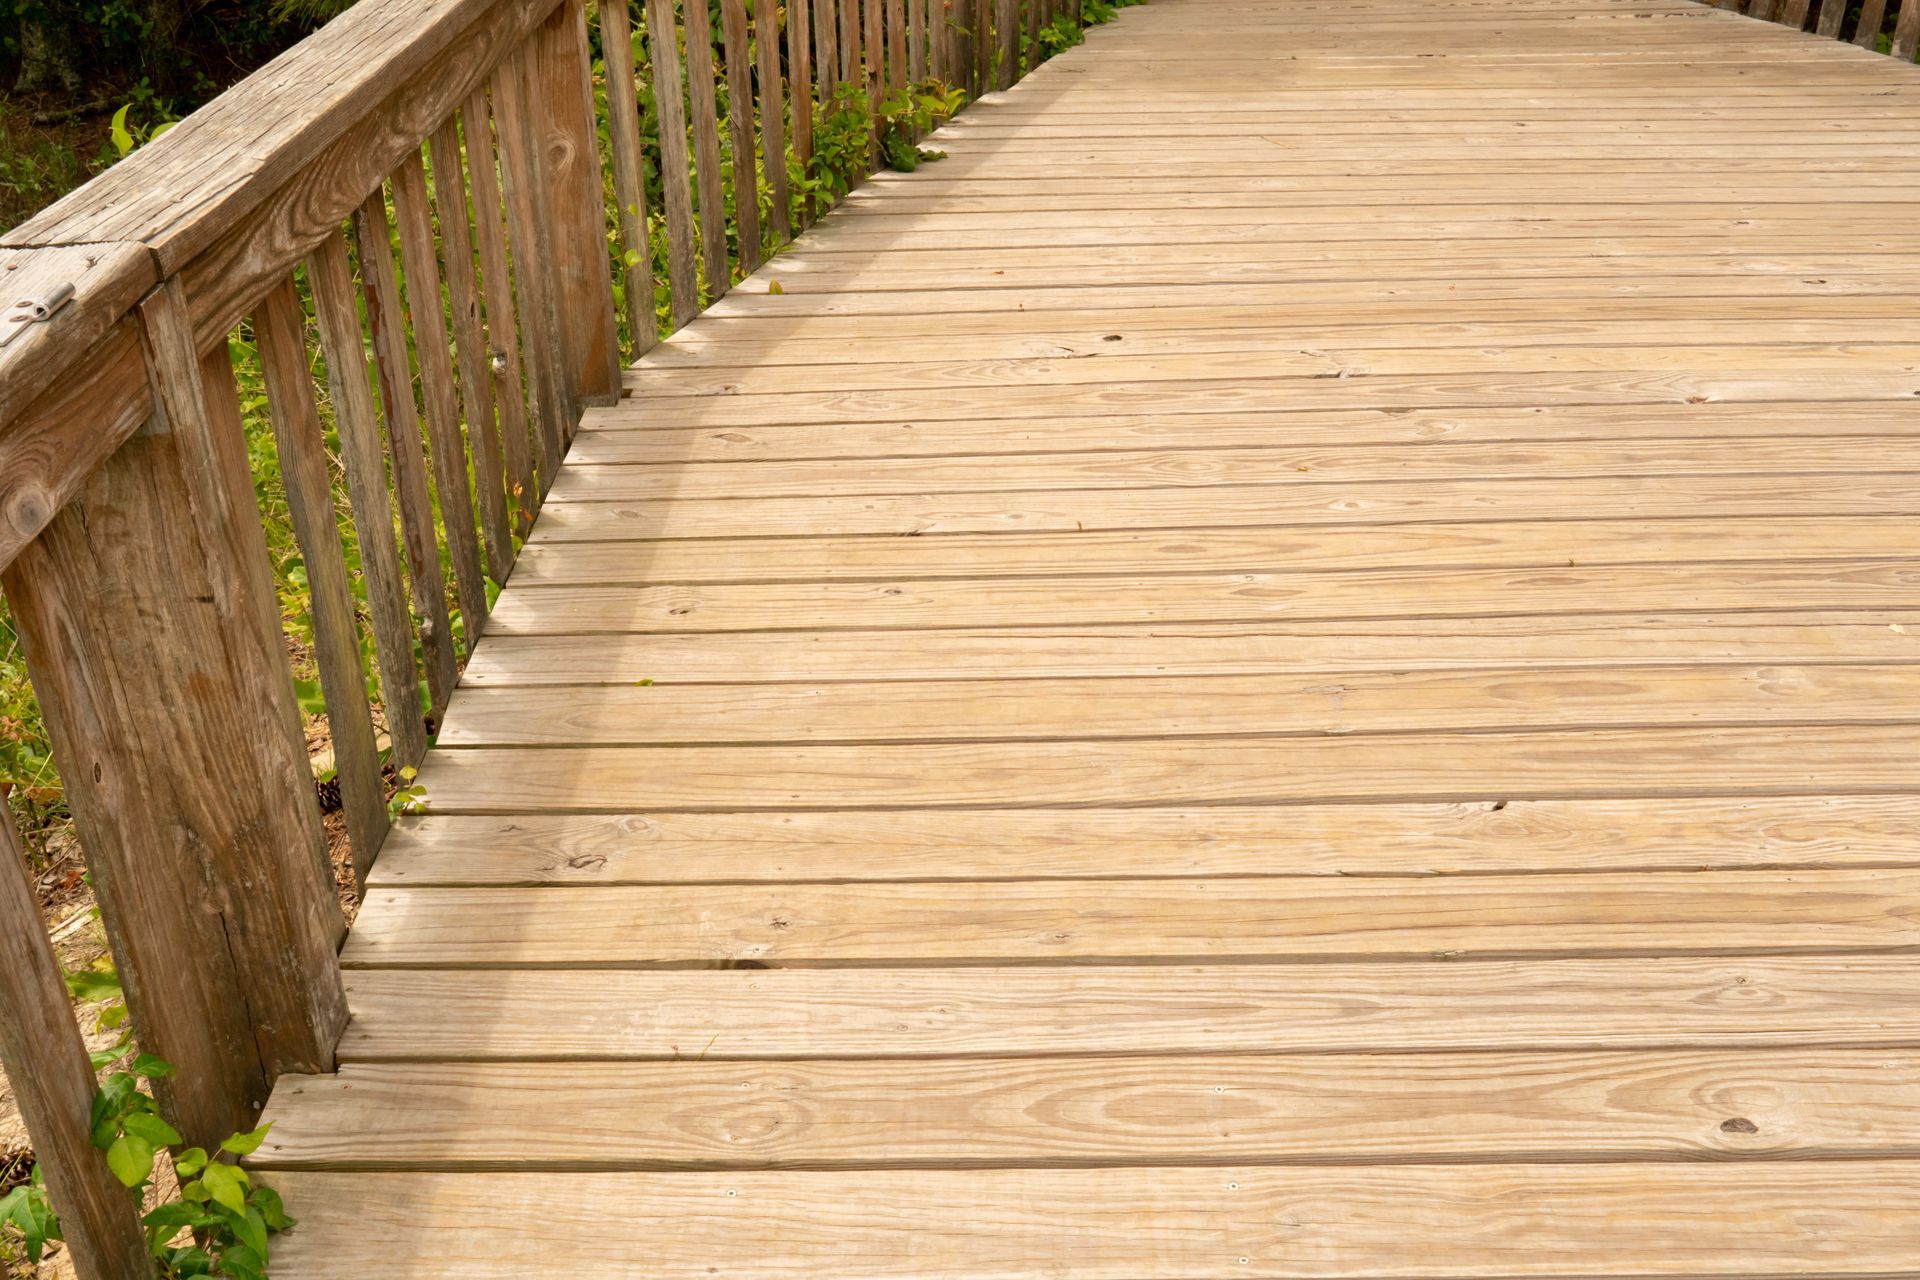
(1009, 1112)
(1264, 921)
(1154, 1223)
(52, 1084)
(1490, 837)
(1070, 1010)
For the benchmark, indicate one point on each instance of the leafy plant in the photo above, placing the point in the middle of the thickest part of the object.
(909, 112)
(26, 1211)
(219, 1223)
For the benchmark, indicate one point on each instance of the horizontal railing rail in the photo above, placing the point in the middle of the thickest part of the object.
(403, 258)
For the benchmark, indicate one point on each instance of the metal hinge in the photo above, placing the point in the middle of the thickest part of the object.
(35, 309)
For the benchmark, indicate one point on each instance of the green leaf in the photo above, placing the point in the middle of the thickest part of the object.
(122, 139)
(251, 1230)
(173, 1217)
(225, 1184)
(148, 1067)
(89, 985)
(267, 1201)
(145, 1124)
(131, 1159)
(190, 1161)
(245, 1144)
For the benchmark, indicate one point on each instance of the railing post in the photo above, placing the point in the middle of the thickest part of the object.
(569, 140)
(151, 632)
(46, 1064)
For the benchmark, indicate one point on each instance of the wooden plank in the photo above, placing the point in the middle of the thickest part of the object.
(773, 114)
(1549, 1221)
(706, 157)
(300, 443)
(1010, 1112)
(502, 333)
(1173, 706)
(1255, 920)
(1132, 469)
(494, 1015)
(1346, 841)
(475, 359)
(1203, 550)
(676, 169)
(560, 74)
(1890, 586)
(386, 321)
(1225, 506)
(1136, 649)
(438, 392)
(52, 1084)
(522, 169)
(629, 169)
(1832, 14)
(330, 279)
(740, 132)
(1596, 763)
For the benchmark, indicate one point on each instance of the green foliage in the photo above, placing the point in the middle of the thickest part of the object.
(26, 1212)
(908, 113)
(218, 1223)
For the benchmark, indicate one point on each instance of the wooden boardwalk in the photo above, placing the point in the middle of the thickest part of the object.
(1302, 661)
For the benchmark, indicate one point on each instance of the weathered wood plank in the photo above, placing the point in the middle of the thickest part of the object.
(741, 134)
(1217, 649)
(1890, 586)
(52, 1084)
(1264, 920)
(1596, 764)
(1332, 1109)
(1106, 1224)
(1054, 1010)
(773, 114)
(1099, 844)
(712, 204)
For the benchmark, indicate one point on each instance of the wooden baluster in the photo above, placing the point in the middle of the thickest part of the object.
(706, 153)
(387, 320)
(1873, 15)
(496, 282)
(1793, 13)
(982, 72)
(917, 40)
(1761, 9)
(874, 50)
(663, 50)
(448, 454)
(746, 182)
(896, 20)
(53, 1084)
(1906, 31)
(330, 277)
(800, 62)
(629, 185)
(826, 51)
(773, 114)
(850, 56)
(573, 197)
(279, 325)
(1007, 27)
(469, 329)
(1034, 22)
(937, 63)
(1832, 14)
(527, 233)
(147, 613)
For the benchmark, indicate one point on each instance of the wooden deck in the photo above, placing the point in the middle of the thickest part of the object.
(1302, 661)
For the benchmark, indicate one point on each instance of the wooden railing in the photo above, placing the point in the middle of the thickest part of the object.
(466, 133)
(1829, 18)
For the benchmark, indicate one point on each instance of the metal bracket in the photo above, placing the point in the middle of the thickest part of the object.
(35, 309)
